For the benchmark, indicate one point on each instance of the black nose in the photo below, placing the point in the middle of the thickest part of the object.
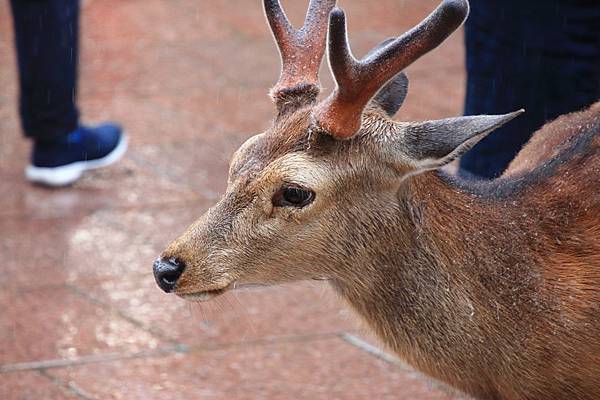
(166, 272)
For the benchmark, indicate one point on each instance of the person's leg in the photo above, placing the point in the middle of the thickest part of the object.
(46, 36)
(541, 55)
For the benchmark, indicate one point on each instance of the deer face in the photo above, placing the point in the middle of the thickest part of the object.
(307, 198)
(291, 192)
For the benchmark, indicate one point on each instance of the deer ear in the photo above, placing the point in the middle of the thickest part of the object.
(391, 96)
(433, 144)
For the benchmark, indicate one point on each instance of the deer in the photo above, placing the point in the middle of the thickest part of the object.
(489, 287)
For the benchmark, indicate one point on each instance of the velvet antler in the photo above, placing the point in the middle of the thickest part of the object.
(359, 80)
(301, 52)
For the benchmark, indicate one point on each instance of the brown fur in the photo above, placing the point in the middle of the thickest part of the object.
(553, 138)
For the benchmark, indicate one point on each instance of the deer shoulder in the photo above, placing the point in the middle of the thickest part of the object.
(555, 138)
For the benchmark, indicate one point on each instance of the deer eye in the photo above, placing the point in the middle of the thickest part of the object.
(293, 196)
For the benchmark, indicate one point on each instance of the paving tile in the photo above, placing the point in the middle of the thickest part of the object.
(199, 165)
(89, 245)
(325, 369)
(34, 251)
(54, 323)
(31, 386)
(123, 243)
(240, 316)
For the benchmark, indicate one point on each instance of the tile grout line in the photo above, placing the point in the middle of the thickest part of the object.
(90, 359)
(44, 365)
(69, 386)
(371, 349)
(393, 360)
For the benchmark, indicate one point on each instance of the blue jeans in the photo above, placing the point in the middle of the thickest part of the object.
(46, 36)
(541, 55)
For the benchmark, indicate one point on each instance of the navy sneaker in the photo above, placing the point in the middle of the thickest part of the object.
(62, 162)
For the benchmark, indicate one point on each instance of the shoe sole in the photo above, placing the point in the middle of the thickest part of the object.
(67, 174)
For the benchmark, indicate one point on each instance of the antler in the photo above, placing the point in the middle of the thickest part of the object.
(301, 51)
(359, 80)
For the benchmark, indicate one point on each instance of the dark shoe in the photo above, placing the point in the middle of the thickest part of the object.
(62, 162)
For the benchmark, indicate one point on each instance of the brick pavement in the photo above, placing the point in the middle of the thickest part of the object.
(80, 315)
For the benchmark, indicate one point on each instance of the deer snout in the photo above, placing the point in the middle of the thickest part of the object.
(167, 272)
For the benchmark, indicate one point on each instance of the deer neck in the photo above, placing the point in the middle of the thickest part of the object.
(450, 280)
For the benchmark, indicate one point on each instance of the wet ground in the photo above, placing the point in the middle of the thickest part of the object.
(80, 315)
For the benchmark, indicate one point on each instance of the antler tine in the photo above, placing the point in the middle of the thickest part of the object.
(301, 50)
(359, 80)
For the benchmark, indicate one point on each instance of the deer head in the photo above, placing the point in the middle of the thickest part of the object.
(318, 194)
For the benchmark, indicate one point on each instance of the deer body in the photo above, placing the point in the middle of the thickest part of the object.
(490, 287)
(494, 287)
